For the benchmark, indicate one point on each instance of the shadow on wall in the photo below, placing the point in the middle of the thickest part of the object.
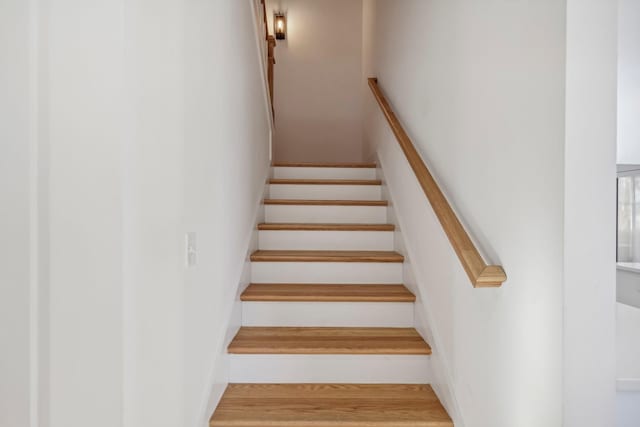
(323, 140)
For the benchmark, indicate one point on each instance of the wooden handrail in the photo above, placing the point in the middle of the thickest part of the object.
(271, 60)
(266, 21)
(480, 274)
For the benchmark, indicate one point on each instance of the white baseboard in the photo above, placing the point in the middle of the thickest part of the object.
(441, 374)
(219, 375)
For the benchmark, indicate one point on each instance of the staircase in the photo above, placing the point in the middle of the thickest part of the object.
(328, 334)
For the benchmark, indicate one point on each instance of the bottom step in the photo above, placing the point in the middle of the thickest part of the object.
(329, 405)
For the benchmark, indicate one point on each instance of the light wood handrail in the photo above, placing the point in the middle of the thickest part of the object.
(271, 60)
(480, 274)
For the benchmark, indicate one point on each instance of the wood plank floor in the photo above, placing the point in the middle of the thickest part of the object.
(327, 293)
(300, 340)
(326, 256)
(330, 405)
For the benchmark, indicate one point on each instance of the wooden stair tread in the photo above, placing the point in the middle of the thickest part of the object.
(326, 202)
(366, 165)
(325, 256)
(327, 293)
(329, 405)
(325, 227)
(325, 181)
(311, 340)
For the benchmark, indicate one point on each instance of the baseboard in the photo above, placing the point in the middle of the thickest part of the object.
(442, 384)
(219, 374)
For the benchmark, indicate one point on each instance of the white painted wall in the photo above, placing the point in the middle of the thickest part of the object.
(118, 139)
(480, 89)
(83, 97)
(628, 283)
(226, 166)
(589, 258)
(317, 81)
(628, 81)
(484, 102)
(368, 70)
(152, 212)
(17, 174)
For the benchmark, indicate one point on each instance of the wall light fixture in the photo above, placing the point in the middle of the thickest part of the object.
(280, 26)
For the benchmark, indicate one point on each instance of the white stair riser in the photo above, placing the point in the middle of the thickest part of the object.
(326, 272)
(328, 314)
(326, 214)
(363, 369)
(326, 240)
(323, 173)
(325, 192)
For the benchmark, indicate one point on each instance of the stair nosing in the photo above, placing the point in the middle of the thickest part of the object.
(290, 341)
(313, 202)
(364, 165)
(405, 296)
(326, 256)
(291, 226)
(330, 182)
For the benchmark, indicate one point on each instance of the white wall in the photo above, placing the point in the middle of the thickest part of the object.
(113, 99)
(480, 89)
(317, 81)
(84, 98)
(628, 81)
(226, 165)
(152, 250)
(628, 401)
(368, 70)
(118, 139)
(589, 258)
(16, 233)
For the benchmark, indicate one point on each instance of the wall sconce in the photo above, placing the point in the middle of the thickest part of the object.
(280, 26)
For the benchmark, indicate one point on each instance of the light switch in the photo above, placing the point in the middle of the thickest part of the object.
(191, 249)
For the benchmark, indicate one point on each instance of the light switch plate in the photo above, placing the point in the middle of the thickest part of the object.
(191, 249)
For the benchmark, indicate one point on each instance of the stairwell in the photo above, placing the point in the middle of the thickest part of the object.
(327, 336)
